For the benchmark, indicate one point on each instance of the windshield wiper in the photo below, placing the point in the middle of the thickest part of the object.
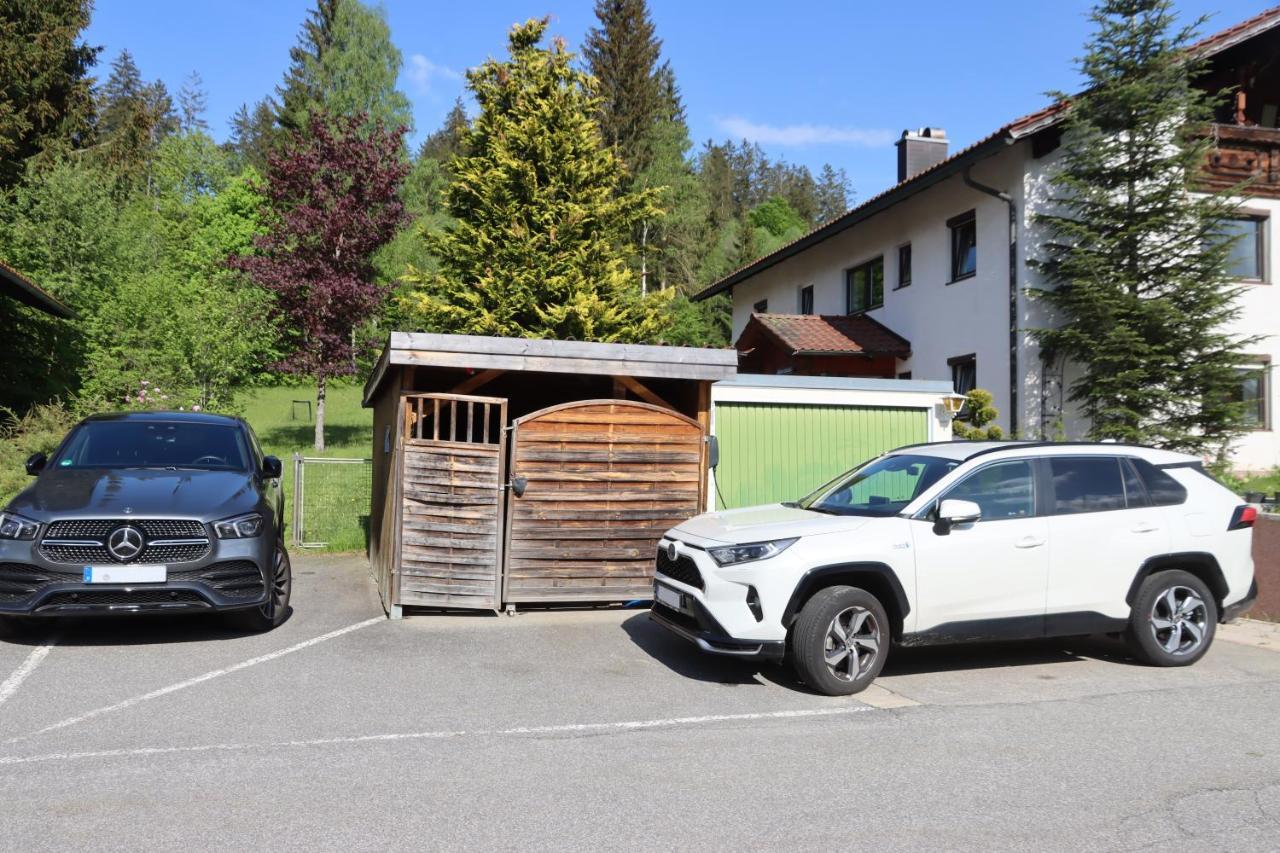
(791, 504)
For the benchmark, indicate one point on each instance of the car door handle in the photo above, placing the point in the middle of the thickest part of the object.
(1146, 527)
(1029, 542)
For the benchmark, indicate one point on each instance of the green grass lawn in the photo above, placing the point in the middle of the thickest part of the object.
(337, 496)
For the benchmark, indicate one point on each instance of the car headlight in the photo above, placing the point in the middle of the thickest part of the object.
(16, 527)
(240, 527)
(733, 554)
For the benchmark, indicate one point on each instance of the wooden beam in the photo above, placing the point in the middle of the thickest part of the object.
(704, 421)
(635, 386)
(471, 383)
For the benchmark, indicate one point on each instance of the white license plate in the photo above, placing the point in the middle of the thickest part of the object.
(667, 596)
(126, 574)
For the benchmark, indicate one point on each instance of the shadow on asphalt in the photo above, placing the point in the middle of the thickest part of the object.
(130, 630)
(688, 661)
(684, 659)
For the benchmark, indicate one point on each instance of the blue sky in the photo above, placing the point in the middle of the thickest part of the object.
(812, 82)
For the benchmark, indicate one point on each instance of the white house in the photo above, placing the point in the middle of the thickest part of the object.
(928, 279)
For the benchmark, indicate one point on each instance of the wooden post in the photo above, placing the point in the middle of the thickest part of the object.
(704, 421)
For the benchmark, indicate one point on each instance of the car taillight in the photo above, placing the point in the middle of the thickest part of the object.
(1244, 516)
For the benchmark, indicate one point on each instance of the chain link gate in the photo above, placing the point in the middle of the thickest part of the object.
(331, 499)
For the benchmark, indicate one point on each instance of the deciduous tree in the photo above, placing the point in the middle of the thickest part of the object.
(333, 200)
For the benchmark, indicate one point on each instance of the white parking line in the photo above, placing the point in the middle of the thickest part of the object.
(192, 682)
(570, 728)
(14, 681)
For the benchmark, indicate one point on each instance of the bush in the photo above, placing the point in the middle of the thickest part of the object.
(38, 431)
(972, 424)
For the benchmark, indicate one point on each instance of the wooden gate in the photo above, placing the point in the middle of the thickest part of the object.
(604, 480)
(452, 475)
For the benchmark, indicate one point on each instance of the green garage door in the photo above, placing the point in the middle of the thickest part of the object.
(773, 452)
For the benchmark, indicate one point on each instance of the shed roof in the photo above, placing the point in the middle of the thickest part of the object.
(17, 286)
(476, 352)
(837, 383)
(1014, 131)
(831, 334)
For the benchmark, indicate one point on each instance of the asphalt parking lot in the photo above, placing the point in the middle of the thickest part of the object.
(593, 729)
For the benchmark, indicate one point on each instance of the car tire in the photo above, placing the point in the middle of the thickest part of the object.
(1173, 619)
(275, 610)
(840, 640)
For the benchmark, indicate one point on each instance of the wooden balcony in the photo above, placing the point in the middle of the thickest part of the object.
(1244, 153)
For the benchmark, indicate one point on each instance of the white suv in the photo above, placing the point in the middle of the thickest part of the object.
(965, 541)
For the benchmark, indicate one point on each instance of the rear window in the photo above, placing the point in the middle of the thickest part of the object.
(1163, 489)
(1087, 484)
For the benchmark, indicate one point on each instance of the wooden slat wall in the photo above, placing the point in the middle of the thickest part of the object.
(605, 480)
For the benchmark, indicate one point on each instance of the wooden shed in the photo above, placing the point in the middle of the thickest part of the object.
(511, 471)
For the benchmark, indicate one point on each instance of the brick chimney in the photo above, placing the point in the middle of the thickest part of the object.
(920, 149)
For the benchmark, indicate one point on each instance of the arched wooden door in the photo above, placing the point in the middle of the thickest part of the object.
(604, 480)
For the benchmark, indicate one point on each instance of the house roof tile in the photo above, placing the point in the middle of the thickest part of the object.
(833, 334)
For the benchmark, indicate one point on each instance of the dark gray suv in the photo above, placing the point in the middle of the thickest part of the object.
(148, 512)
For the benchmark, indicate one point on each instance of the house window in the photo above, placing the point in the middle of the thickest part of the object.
(964, 245)
(1247, 259)
(1252, 392)
(904, 265)
(806, 299)
(761, 307)
(864, 286)
(964, 373)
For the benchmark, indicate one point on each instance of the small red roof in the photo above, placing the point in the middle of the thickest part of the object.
(831, 334)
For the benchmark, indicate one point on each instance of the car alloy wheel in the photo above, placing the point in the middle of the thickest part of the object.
(1179, 619)
(852, 643)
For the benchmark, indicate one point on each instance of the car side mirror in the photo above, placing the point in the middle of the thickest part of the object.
(518, 485)
(713, 451)
(952, 512)
(272, 467)
(36, 463)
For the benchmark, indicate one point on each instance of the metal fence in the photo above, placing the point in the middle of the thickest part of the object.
(331, 502)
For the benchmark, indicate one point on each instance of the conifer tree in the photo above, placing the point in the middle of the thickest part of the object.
(534, 251)
(47, 106)
(192, 103)
(622, 54)
(1135, 252)
(343, 65)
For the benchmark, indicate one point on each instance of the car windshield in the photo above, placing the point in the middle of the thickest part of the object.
(154, 444)
(883, 486)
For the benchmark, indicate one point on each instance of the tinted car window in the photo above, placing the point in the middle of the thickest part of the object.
(1163, 489)
(1135, 494)
(1003, 490)
(1086, 484)
(154, 444)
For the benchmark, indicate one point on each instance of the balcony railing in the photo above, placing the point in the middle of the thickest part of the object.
(1243, 153)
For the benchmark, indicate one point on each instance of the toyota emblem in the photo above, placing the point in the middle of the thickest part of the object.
(125, 543)
(671, 551)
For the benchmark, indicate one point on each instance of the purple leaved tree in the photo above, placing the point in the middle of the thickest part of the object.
(332, 200)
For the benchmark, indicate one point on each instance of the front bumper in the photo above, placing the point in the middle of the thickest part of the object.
(696, 625)
(229, 577)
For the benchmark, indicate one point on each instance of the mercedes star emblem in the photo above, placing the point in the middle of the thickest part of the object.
(125, 543)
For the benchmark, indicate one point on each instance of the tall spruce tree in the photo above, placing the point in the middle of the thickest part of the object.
(534, 251)
(622, 53)
(1135, 253)
(134, 117)
(192, 103)
(47, 106)
(343, 65)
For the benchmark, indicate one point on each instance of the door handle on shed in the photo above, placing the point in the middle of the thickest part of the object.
(1029, 542)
